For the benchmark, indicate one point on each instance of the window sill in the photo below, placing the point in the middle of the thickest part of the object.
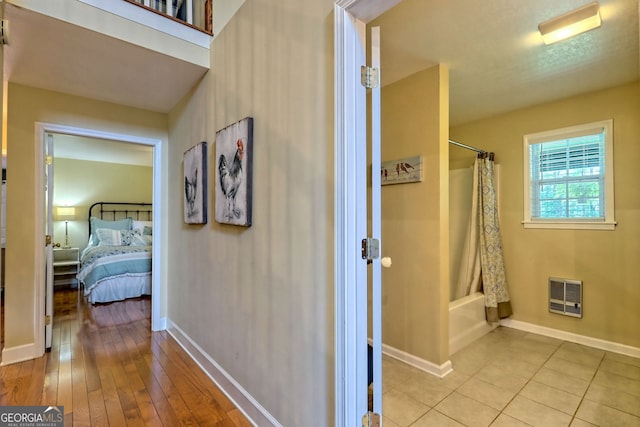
(579, 225)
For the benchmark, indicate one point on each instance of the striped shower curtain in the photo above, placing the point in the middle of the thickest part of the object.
(483, 265)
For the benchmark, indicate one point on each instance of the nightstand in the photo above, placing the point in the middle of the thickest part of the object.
(66, 262)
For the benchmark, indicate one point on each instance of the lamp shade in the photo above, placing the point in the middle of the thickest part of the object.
(65, 213)
(571, 23)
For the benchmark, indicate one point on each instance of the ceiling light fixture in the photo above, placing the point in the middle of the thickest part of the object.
(571, 23)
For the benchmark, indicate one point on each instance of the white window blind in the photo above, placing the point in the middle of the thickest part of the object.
(569, 176)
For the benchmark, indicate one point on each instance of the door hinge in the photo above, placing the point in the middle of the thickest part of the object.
(371, 419)
(370, 249)
(48, 160)
(369, 77)
(47, 320)
(47, 240)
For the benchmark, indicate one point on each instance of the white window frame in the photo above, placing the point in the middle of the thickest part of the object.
(609, 222)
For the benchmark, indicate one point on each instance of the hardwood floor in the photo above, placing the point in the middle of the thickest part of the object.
(107, 368)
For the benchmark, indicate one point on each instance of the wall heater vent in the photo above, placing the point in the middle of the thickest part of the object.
(565, 296)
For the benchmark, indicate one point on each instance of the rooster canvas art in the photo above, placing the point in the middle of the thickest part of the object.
(234, 173)
(195, 184)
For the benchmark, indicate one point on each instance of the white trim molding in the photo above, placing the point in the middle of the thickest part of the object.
(608, 221)
(350, 216)
(19, 353)
(611, 346)
(249, 406)
(157, 297)
(439, 371)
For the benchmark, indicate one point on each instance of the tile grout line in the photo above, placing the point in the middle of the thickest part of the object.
(587, 389)
(525, 384)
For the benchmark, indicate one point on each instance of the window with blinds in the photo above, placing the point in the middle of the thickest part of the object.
(569, 177)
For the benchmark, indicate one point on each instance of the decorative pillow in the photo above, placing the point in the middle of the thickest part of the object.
(141, 240)
(109, 237)
(126, 236)
(147, 231)
(135, 224)
(97, 223)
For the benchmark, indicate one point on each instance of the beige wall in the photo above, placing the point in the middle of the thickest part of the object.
(259, 300)
(415, 292)
(606, 261)
(81, 183)
(26, 106)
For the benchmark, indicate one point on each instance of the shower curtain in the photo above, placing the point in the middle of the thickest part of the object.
(482, 267)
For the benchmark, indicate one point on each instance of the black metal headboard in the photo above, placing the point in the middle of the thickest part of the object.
(113, 211)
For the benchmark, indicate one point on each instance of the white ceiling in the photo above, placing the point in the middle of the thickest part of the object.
(96, 150)
(496, 57)
(47, 53)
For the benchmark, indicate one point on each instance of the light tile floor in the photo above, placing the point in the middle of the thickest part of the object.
(515, 378)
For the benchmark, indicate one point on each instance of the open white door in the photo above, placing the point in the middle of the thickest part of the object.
(48, 283)
(376, 229)
(352, 213)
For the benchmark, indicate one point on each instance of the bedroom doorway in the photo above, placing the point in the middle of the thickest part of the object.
(103, 139)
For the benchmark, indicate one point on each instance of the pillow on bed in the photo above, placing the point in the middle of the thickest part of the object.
(97, 223)
(141, 240)
(109, 237)
(116, 237)
(147, 231)
(135, 224)
(126, 236)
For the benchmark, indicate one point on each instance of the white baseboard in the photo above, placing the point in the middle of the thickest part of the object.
(18, 354)
(161, 325)
(571, 337)
(251, 409)
(439, 371)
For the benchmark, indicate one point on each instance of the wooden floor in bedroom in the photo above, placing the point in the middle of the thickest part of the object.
(107, 368)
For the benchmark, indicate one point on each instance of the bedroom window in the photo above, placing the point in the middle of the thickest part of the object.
(568, 178)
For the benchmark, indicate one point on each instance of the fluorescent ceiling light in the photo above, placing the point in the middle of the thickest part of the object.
(571, 23)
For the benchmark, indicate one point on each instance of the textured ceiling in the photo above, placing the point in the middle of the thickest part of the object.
(496, 57)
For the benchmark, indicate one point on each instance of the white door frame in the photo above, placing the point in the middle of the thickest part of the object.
(350, 210)
(157, 295)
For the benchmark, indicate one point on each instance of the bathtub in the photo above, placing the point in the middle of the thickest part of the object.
(467, 321)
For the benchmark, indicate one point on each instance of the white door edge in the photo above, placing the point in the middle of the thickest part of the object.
(350, 222)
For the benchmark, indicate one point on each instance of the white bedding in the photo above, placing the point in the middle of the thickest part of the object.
(119, 288)
(114, 273)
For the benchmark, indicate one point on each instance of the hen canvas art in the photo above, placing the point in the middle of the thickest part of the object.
(234, 156)
(195, 184)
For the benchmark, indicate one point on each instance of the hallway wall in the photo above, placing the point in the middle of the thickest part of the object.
(259, 300)
(415, 217)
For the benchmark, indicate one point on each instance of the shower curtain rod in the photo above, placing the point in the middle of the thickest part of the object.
(468, 147)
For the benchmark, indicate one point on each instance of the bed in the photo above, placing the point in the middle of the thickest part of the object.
(116, 264)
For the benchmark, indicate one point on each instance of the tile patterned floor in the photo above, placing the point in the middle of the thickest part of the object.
(515, 378)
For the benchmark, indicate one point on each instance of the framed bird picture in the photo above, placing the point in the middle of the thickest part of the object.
(195, 184)
(234, 173)
(401, 171)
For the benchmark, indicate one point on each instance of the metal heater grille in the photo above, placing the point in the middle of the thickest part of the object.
(565, 296)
